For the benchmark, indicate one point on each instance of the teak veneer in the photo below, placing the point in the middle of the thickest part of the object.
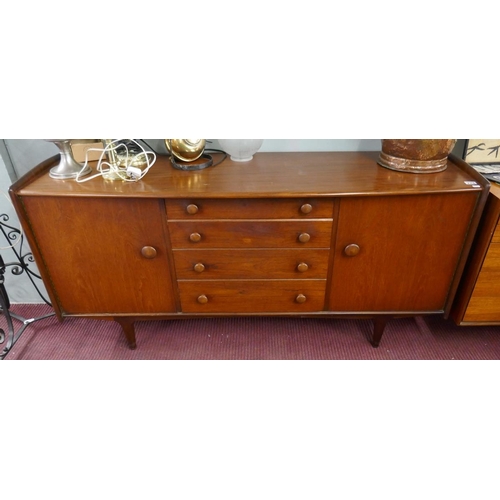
(477, 301)
(291, 234)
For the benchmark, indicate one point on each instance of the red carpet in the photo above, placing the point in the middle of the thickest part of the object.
(250, 338)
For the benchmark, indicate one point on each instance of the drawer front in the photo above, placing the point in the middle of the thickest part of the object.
(250, 234)
(290, 296)
(316, 208)
(251, 264)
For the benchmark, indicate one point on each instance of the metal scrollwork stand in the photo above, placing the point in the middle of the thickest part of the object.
(15, 237)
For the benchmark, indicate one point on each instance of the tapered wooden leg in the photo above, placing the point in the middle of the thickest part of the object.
(379, 323)
(127, 325)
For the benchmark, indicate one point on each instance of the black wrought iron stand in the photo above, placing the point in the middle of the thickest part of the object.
(15, 238)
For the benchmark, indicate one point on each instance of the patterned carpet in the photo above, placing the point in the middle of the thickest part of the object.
(250, 338)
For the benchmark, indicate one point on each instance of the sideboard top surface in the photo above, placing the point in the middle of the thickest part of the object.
(284, 174)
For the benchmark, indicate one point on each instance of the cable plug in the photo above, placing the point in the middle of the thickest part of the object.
(134, 173)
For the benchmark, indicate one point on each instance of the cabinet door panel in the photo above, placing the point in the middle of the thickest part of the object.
(409, 247)
(92, 250)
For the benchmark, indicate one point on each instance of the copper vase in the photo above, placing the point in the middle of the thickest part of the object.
(416, 155)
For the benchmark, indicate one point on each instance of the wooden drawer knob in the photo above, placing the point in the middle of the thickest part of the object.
(149, 252)
(306, 208)
(199, 267)
(302, 267)
(304, 237)
(351, 250)
(195, 237)
(202, 299)
(192, 209)
(301, 298)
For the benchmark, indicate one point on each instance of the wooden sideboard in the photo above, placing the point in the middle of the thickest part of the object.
(477, 301)
(291, 234)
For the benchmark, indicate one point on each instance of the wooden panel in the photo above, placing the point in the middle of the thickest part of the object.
(490, 270)
(92, 249)
(252, 296)
(409, 249)
(483, 238)
(250, 234)
(251, 209)
(251, 264)
(484, 304)
(496, 235)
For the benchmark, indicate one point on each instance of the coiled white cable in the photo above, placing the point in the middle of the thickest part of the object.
(127, 172)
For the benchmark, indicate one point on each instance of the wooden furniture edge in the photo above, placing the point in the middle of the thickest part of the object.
(474, 264)
(27, 230)
(471, 232)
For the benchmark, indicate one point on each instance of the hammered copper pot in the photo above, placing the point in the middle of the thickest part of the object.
(416, 155)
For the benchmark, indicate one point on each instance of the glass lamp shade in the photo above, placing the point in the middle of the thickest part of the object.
(241, 149)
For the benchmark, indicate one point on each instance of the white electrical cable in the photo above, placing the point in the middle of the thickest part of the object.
(128, 172)
(124, 172)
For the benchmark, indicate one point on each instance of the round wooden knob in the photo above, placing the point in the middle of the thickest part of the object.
(304, 237)
(301, 298)
(306, 208)
(192, 209)
(202, 299)
(195, 237)
(351, 250)
(199, 267)
(149, 252)
(302, 267)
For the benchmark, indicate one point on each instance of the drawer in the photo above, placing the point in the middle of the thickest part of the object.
(259, 296)
(252, 264)
(250, 234)
(293, 208)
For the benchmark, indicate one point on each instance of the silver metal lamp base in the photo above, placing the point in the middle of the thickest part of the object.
(68, 167)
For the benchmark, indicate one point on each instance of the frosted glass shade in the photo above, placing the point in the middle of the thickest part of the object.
(241, 149)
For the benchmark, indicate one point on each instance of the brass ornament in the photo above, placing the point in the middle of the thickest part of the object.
(186, 149)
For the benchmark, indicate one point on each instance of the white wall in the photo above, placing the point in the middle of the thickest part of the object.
(27, 153)
(294, 144)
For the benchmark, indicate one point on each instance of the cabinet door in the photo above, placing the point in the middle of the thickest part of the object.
(103, 255)
(404, 253)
